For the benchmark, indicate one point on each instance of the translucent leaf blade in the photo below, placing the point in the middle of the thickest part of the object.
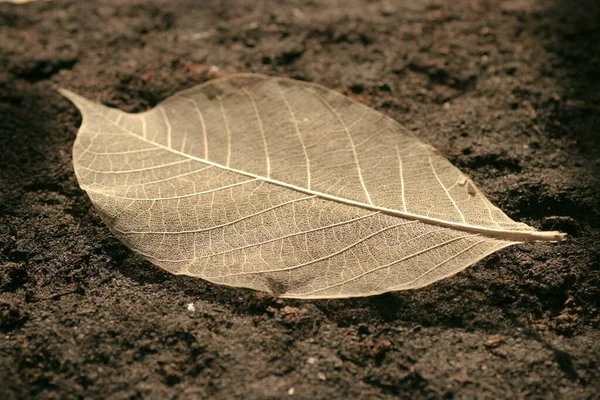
(287, 187)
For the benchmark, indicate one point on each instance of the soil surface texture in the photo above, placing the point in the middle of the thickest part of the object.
(509, 91)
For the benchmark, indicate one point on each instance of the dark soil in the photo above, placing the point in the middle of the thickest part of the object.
(508, 90)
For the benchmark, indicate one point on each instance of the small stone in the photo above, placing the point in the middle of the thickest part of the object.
(387, 9)
(213, 71)
(190, 307)
(495, 340)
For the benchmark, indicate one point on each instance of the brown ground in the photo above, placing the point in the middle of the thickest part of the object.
(509, 91)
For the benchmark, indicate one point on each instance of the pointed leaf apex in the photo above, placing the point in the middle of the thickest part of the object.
(79, 101)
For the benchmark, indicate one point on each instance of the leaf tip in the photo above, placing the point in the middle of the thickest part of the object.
(79, 101)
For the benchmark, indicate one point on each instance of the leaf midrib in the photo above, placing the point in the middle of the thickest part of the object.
(504, 234)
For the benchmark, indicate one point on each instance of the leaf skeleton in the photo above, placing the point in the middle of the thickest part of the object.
(287, 187)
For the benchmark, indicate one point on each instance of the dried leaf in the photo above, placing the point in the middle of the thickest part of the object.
(286, 187)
